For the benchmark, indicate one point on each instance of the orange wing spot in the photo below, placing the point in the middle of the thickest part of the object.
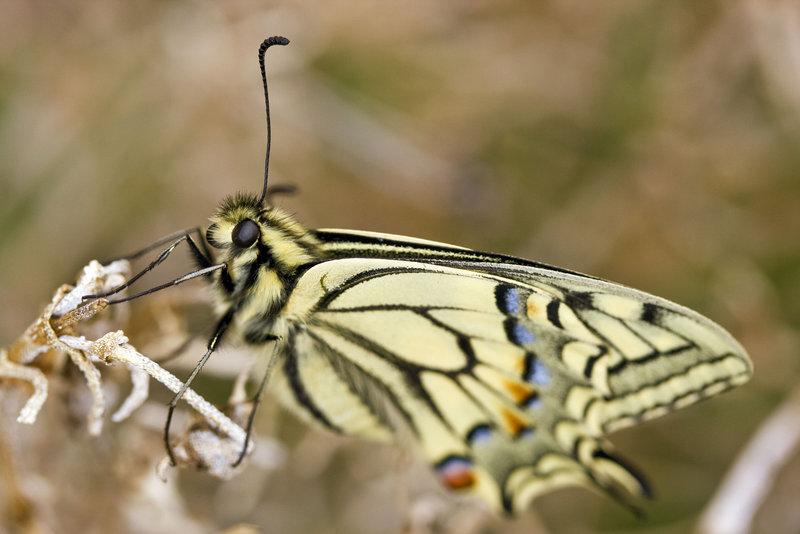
(514, 423)
(457, 473)
(518, 391)
(533, 309)
(519, 364)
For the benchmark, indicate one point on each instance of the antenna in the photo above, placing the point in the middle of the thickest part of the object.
(276, 40)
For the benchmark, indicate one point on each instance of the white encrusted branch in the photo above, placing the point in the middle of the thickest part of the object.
(215, 445)
(114, 347)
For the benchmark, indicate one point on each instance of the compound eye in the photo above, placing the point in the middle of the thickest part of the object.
(245, 233)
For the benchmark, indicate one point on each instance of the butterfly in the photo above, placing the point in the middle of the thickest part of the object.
(506, 373)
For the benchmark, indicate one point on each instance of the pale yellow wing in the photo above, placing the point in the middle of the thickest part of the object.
(507, 377)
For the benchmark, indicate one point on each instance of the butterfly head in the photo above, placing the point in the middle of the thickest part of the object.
(235, 227)
(255, 240)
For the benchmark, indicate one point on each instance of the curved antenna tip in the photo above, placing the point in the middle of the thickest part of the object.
(274, 40)
(269, 41)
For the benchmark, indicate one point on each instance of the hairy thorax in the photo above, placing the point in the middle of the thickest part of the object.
(258, 278)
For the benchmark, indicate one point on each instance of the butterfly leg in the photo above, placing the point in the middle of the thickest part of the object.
(202, 257)
(273, 359)
(222, 327)
(168, 239)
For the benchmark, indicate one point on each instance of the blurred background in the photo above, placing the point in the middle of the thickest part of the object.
(654, 144)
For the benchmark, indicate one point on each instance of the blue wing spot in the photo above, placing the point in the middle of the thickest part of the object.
(537, 372)
(534, 403)
(526, 432)
(512, 301)
(479, 434)
(521, 335)
(518, 333)
(507, 299)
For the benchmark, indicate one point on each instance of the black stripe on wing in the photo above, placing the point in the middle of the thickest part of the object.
(299, 390)
(379, 399)
(346, 244)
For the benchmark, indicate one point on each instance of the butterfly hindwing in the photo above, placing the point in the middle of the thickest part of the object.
(645, 355)
(506, 376)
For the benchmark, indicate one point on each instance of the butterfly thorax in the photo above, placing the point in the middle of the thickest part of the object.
(264, 250)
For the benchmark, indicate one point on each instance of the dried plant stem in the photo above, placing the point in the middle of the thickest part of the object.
(741, 494)
(113, 347)
(213, 445)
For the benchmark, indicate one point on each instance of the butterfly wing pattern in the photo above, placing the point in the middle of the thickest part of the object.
(507, 373)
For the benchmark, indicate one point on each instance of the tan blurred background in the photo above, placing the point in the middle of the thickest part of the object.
(654, 144)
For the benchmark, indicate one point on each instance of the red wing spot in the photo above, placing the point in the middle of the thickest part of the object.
(456, 473)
